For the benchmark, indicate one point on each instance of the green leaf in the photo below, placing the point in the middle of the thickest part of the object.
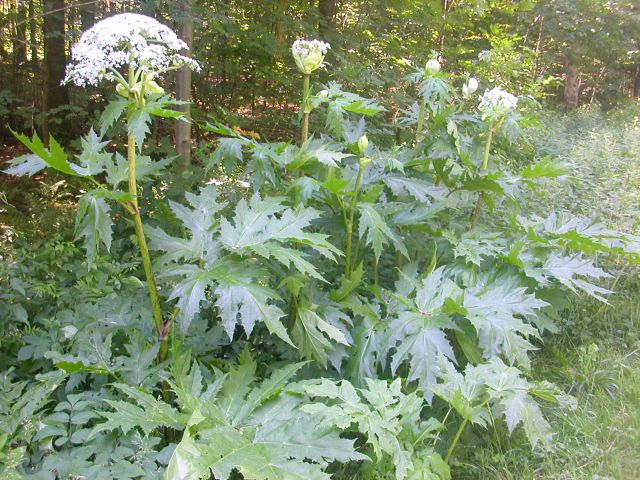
(288, 256)
(138, 127)
(468, 341)
(93, 223)
(149, 413)
(476, 245)
(111, 114)
(567, 269)
(248, 303)
(417, 335)
(190, 292)
(54, 156)
(228, 153)
(386, 412)
(546, 167)
(261, 221)
(367, 341)
(199, 220)
(258, 431)
(267, 390)
(496, 310)
(25, 165)
(421, 190)
(117, 195)
(374, 229)
(314, 335)
(92, 159)
(326, 156)
(348, 285)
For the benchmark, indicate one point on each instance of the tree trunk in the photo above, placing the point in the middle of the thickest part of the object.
(54, 54)
(279, 28)
(328, 10)
(636, 82)
(572, 85)
(33, 36)
(183, 129)
(21, 35)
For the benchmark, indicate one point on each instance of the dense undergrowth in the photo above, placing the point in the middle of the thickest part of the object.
(596, 355)
(367, 301)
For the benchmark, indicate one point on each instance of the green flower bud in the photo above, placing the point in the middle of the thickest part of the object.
(151, 86)
(433, 67)
(122, 90)
(363, 143)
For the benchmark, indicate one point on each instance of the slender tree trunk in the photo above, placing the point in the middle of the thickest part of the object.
(55, 94)
(572, 85)
(537, 50)
(442, 35)
(636, 82)
(279, 28)
(21, 35)
(183, 129)
(33, 36)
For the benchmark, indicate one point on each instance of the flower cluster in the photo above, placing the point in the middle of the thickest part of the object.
(309, 54)
(122, 40)
(497, 103)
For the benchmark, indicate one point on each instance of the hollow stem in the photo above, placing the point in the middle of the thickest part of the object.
(420, 126)
(475, 215)
(142, 242)
(349, 225)
(304, 107)
(455, 440)
(376, 275)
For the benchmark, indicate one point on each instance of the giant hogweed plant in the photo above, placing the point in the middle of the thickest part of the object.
(408, 279)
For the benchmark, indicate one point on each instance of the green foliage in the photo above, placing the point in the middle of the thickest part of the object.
(390, 421)
(454, 269)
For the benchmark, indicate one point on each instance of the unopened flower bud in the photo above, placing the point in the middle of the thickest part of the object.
(323, 94)
(363, 143)
(472, 85)
(309, 54)
(433, 67)
(122, 90)
(151, 86)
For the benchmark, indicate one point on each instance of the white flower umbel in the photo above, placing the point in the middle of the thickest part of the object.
(309, 54)
(125, 40)
(496, 103)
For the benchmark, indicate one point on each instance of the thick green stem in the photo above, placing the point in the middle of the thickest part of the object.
(142, 242)
(475, 215)
(349, 225)
(420, 126)
(376, 275)
(455, 440)
(305, 107)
